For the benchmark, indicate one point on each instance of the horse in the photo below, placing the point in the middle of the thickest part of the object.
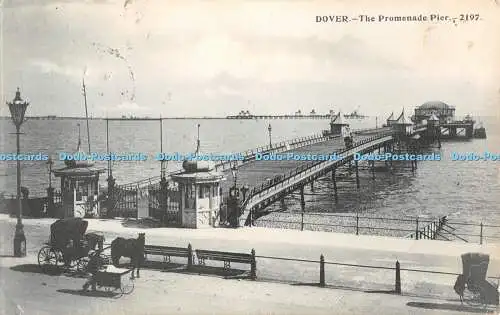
(132, 248)
(459, 287)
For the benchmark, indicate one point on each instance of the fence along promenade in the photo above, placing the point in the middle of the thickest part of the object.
(300, 176)
(259, 271)
(396, 269)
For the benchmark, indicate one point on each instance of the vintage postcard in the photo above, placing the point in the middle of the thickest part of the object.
(249, 157)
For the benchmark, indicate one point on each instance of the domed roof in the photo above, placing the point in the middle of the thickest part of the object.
(195, 166)
(434, 105)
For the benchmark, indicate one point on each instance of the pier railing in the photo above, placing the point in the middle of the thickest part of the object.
(307, 166)
(288, 145)
(250, 154)
(307, 169)
(279, 147)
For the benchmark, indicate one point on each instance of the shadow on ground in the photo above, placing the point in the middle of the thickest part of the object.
(97, 293)
(210, 271)
(143, 223)
(193, 270)
(450, 307)
(48, 270)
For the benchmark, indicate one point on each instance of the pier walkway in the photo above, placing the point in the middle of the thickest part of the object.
(265, 180)
(255, 173)
(262, 196)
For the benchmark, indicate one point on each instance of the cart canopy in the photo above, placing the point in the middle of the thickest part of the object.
(67, 229)
(475, 265)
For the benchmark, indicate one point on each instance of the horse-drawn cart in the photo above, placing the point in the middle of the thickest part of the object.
(69, 245)
(471, 285)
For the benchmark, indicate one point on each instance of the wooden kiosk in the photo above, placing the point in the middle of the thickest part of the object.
(79, 188)
(200, 198)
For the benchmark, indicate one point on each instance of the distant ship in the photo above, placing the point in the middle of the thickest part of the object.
(355, 115)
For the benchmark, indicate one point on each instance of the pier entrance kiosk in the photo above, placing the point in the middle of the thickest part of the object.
(79, 188)
(338, 126)
(402, 126)
(200, 194)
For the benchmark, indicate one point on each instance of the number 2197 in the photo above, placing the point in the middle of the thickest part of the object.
(469, 17)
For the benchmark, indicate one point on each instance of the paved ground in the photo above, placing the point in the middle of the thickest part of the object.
(169, 293)
(288, 291)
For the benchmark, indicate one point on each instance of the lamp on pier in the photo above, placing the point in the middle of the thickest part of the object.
(244, 191)
(233, 202)
(17, 110)
(269, 128)
(49, 169)
(234, 172)
(50, 189)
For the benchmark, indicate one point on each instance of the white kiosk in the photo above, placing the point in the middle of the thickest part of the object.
(79, 187)
(199, 189)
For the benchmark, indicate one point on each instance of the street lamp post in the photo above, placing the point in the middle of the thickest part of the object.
(234, 172)
(17, 110)
(269, 128)
(50, 190)
(233, 197)
(49, 168)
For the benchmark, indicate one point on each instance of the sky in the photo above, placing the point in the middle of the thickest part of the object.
(216, 58)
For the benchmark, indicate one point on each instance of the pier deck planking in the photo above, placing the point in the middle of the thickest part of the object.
(255, 172)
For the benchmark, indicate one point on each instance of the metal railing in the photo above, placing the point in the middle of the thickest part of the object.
(353, 223)
(282, 146)
(451, 229)
(437, 228)
(396, 268)
(258, 271)
(307, 168)
(249, 154)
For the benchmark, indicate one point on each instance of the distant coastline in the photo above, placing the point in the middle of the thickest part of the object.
(104, 118)
(51, 117)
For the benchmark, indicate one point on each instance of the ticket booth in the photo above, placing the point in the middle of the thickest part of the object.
(338, 126)
(79, 189)
(402, 126)
(200, 198)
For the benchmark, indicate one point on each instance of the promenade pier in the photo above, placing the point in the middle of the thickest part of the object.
(259, 185)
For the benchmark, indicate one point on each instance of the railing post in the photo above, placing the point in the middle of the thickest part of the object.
(190, 256)
(357, 224)
(321, 271)
(253, 266)
(416, 229)
(303, 206)
(397, 288)
(481, 234)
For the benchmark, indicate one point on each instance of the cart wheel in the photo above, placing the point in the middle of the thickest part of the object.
(81, 264)
(472, 298)
(127, 285)
(116, 292)
(49, 258)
